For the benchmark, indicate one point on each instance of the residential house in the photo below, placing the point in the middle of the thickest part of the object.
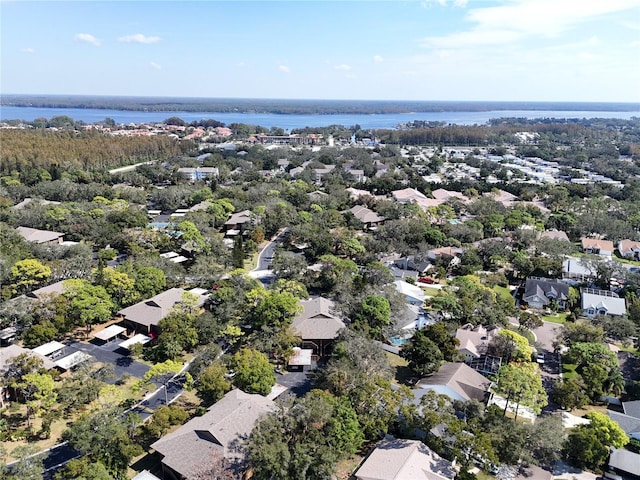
(28, 200)
(401, 459)
(408, 195)
(50, 291)
(218, 433)
(505, 198)
(625, 463)
(629, 421)
(317, 325)
(629, 249)
(144, 316)
(238, 222)
(473, 341)
(369, 218)
(357, 174)
(597, 246)
(7, 354)
(34, 235)
(574, 270)
(458, 381)
(444, 195)
(554, 235)
(602, 302)
(412, 293)
(355, 194)
(451, 253)
(411, 264)
(540, 292)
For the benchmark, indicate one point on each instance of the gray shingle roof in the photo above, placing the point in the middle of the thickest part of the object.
(317, 322)
(399, 459)
(224, 427)
(460, 378)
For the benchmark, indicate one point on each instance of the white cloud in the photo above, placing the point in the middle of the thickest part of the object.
(344, 67)
(155, 65)
(241, 64)
(518, 19)
(284, 68)
(444, 3)
(87, 38)
(27, 50)
(377, 59)
(138, 38)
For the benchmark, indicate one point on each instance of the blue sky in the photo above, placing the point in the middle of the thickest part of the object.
(529, 50)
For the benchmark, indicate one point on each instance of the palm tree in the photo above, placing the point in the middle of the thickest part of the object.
(615, 382)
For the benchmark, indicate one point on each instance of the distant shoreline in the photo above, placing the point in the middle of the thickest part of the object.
(294, 107)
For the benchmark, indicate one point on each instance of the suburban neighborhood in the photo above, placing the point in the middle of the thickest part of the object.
(195, 301)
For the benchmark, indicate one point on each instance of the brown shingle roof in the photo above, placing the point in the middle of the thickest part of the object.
(460, 378)
(224, 427)
(38, 236)
(151, 311)
(317, 322)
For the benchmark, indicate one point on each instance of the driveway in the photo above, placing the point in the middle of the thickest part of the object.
(109, 353)
(566, 472)
(298, 383)
(546, 334)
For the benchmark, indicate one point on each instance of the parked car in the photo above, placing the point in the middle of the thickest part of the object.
(428, 280)
(540, 358)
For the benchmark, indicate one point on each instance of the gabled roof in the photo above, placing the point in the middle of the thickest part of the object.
(224, 427)
(52, 290)
(408, 290)
(12, 351)
(628, 246)
(316, 321)
(545, 288)
(460, 378)
(407, 195)
(606, 245)
(442, 194)
(632, 408)
(554, 235)
(240, 217)
(473, 339)
(628, 423)
(625, 461)
(151, 311)
(365, 215)
(603, 300)
(38, 236)
(400, 459)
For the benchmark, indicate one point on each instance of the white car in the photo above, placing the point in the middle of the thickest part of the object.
(540, 358)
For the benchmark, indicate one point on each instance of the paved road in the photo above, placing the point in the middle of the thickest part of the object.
(298, 383)
(266, 254)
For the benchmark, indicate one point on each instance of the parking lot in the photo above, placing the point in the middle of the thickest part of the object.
(109, 353)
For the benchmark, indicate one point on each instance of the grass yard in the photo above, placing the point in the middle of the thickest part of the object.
(504, 292)
(430, 291)
(560, 318)
(403, 375)
(569, 371)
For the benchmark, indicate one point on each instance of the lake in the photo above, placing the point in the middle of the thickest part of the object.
(291, 121)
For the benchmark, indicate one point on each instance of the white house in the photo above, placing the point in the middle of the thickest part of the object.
(412, 294)
(602, 302)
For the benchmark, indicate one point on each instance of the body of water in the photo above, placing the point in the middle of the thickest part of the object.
(291, 121)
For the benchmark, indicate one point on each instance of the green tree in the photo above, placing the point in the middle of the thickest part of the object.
(28, 273)
(88, 304)
(103, 437)
(212, 382)
(273, 308)
(522, 383)
(569, 394)
(164, 418)
(38, 390)
(252, 371)
(29, 465)
(83, 469)
(588, 445)
(120, 286)
(373, 316)
(511, 346)
(446, 342)
(422, 353)
(304, 438)
(163, 373)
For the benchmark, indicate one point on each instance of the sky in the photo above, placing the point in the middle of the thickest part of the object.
(438, 50)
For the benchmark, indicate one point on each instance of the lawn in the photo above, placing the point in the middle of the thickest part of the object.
(560, 318)
(403, 375)
(430, 291)
(569, 371)
(504, 292)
